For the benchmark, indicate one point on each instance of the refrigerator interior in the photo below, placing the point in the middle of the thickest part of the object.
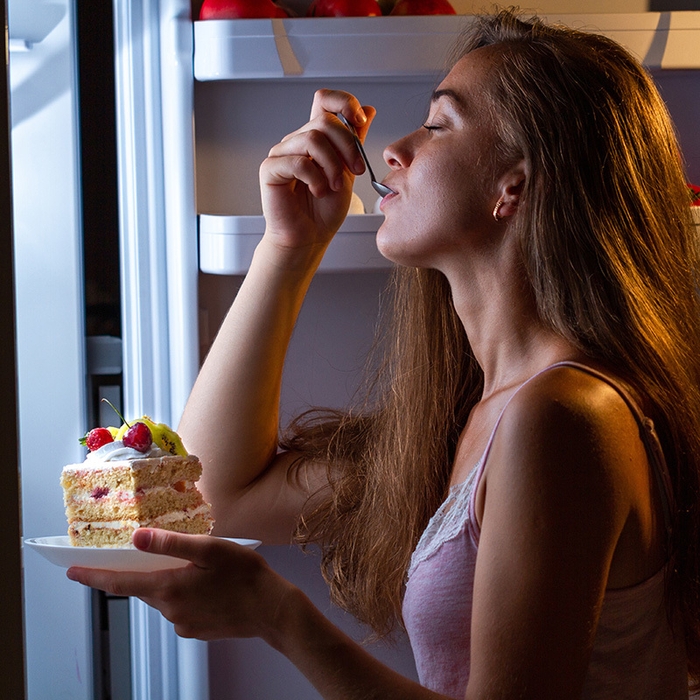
(681, 92)
(236, 122)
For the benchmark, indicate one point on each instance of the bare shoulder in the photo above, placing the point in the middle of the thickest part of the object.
(566, 409)
(567, 436)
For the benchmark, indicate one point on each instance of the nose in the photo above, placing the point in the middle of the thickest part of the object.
(400, 153)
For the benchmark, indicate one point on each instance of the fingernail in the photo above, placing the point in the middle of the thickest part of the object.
(360, 117)
(359, 167)
(142, 538)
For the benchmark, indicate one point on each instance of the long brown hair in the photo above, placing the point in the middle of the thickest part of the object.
(612, 257)
(390, 456)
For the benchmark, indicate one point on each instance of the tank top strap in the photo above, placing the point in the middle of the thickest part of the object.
(481, 464)
(646, 429)
(650, 439)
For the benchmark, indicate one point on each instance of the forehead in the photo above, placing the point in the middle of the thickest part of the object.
(466, 82)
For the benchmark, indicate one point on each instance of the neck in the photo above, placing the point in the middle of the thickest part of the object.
(508, 339)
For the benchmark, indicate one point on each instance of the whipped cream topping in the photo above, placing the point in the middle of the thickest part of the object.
(116, 452)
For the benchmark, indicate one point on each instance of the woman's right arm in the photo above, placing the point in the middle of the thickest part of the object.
(231, 420)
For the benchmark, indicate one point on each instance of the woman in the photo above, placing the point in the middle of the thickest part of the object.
(541, 383)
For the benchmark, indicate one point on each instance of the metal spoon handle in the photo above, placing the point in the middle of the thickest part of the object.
(383, 190)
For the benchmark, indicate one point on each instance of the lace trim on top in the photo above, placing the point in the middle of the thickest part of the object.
(453, 515)
(448, 521)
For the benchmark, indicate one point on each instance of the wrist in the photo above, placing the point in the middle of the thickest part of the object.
(297, 261)
(289, 619)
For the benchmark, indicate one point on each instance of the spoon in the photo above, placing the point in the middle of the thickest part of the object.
(383, 190)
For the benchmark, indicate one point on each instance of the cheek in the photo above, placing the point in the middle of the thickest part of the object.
(443, 201)
(414, 234)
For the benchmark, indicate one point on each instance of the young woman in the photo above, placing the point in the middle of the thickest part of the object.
(520, 488)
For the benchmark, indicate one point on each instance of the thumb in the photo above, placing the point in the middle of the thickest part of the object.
(173, 544)
(141, 539)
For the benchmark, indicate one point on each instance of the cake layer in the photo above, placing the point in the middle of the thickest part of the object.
(117, 533)
(131, 475)
(127, 505)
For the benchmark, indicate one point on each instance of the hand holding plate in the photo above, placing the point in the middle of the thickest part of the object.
(226, 590)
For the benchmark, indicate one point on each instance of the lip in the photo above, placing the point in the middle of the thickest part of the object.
(387, 197)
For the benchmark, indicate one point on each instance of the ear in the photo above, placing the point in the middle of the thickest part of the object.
(510, 187)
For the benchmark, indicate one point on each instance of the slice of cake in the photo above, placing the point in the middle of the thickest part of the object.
(136, 476)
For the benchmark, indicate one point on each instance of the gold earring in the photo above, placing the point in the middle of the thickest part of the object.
(496, 210)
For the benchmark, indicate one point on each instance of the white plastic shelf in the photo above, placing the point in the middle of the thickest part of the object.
(404, 47)
(367, 47)
(226, 244)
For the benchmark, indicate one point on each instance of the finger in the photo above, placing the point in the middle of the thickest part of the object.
(331, 150)
(194, 548)
(290, 169)
(335, 101)
(370, 113)
(119, 583)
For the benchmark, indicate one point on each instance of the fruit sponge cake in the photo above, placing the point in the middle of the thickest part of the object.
(142, 478)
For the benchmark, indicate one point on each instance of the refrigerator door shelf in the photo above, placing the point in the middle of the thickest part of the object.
(368, 47)
(226, 244)
(405, 48)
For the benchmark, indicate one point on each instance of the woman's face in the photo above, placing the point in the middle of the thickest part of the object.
(443, 175)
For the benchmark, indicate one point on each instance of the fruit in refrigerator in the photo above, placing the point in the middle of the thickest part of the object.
(423, 7)
(240, 9)
(344, 8)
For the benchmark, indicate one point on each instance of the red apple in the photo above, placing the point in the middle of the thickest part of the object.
(423, 7)
(344, 8)
(240, 9)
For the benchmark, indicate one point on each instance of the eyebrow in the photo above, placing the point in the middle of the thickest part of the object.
(451, 95)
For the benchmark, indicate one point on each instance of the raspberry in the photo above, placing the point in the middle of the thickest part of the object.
(98, 437)
(139, 437)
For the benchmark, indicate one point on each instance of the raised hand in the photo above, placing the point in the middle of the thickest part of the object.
(306, 181)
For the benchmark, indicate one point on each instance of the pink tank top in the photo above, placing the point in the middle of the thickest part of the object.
(636, 653)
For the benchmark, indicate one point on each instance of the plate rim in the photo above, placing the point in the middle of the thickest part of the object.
(37, 542)
(58, 551)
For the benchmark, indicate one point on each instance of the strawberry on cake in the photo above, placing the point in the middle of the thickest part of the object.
(139, 475)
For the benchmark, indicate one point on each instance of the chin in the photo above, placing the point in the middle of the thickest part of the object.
(399, 248)
(386, 246)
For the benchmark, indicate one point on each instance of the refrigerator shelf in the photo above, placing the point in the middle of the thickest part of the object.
(226, 244)
(367, 47)
(404, 47)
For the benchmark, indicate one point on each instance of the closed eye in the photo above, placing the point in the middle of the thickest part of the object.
(431, 127)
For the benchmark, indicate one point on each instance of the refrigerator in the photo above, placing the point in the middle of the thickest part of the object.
(196, 106)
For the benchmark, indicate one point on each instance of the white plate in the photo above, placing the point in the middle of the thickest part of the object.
(58, 550)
